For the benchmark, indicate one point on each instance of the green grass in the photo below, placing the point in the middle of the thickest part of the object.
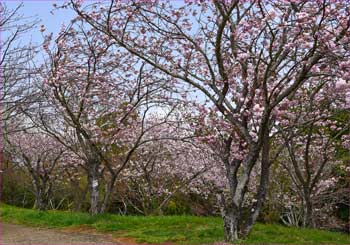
(168, 229)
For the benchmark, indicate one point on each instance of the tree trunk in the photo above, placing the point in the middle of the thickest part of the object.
(231, 208)
(231, 224)
(39, 204)
(231, 217)
(93, 187)
(263, 185)
(308, 219)
(109, 189)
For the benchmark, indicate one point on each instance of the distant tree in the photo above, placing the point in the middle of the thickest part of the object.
(97, 105)
(15, 87)
(161, 169)
(311, 135)
(41, 156)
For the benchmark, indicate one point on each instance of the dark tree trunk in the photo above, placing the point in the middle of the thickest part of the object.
(109, 189)
(229, 211)
(263, 186)
(235, 225)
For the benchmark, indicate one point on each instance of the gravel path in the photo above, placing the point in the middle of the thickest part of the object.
(19, 234)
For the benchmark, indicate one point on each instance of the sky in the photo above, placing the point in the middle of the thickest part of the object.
(41, 10)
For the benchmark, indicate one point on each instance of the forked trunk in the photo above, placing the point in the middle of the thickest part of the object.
(263, 185)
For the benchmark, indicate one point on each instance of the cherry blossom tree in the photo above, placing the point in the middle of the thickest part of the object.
(14, 69)
(244, 57)
(98, 106)
(26, 150)
(311, 135)
(15, 62)
(177, 164)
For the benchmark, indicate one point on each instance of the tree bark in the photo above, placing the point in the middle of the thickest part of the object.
(263, 185)
(231, 217)
(231, 207)
(308, 219)
(93, 181)
(39, 203)
(109, 189)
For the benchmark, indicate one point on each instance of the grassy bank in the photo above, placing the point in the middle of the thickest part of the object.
(167, 229)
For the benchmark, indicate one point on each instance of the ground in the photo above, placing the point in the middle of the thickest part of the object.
(20, 234)
(25, 226)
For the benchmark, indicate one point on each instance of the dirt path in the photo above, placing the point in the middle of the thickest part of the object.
(19, 234)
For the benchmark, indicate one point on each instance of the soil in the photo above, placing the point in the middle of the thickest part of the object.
(20, 234)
